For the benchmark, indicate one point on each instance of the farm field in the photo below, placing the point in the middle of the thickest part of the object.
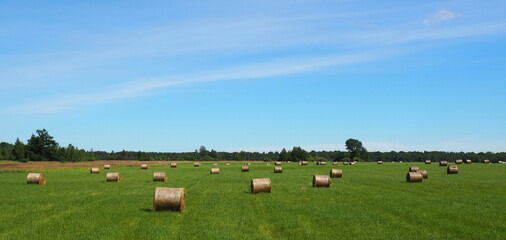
(370, 202)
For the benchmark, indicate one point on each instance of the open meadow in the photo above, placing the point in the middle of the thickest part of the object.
(370, 201)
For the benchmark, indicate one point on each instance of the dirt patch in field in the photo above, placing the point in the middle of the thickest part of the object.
(100, 163)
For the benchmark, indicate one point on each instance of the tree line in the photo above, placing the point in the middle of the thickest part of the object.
(42, 147)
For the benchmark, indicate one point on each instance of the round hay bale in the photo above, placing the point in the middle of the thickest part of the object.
(345, 163)
(159, 177)
(414, 169)
(196, 164)
(452, 169)
(353, 163)
(113, 177)
(37, 178)
(423, 172)
(336, 173)
(321, 181)
(215, 171)
(304, 162)
(300, 164)
(260, 185)
(107, 166)
(268, 164)
(169, 199)
(334, 163)
(215, 164)
(245, 168)
(144, 166)
(468, 161)
(277, 163)
(247, 164)
(486, 161)
(400, 161)
(458, 161)
(278, 170)
(227, 164)
(414, 177)
(443, 163)
(95, 170)
(427, 162)
(380, 162)
(173, 165)
(323, 163)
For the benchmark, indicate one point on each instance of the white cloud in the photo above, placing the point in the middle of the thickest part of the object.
(441, 15)
(250, 71)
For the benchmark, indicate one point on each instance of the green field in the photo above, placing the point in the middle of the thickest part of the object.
(370, 202)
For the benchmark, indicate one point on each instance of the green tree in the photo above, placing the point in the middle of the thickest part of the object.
(19, 151)
(42, 147)
(283, 155)
(356, 149)
(299, 154)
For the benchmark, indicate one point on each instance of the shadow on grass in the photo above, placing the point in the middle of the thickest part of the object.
(147, 210)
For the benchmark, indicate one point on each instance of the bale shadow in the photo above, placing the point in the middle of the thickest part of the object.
(147, 210)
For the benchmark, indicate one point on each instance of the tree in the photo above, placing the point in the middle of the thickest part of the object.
(203, 151)
(299, 154)
(283, 155)
(19, 151)
(356, 149)
(42, 147)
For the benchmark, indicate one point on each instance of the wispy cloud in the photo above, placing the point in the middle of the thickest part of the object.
(249, 71)
(441, 15)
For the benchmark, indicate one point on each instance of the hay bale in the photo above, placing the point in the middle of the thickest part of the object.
(277, 163)
(245, 168)
(423, 172)
(468, 161)
(215, 164)
(334, 163)
(452, 169)
(345, 163)
(159, 177)
(414, 169)
(353, 163)
(414, 177)
(107, 166)
(37, 178)
(304, 162)
(268, 164)
(215, 171)
(113, 177)
(321, 181)
(458, 161)
(443, 163)
(380, 162)
(173, 165)
(260, 185)
(247, 164)
(336, 173)
(486, 161)
(95, 170)
(278, 170)
(323, 163)
(427, 162)
(227, 164)
(196, 164)
(169, 199)
(144, 166)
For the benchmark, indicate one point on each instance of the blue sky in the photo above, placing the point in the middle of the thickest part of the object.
(255, 75)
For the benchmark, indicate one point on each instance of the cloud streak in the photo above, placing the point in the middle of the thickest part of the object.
(145, 86)
(441, 15)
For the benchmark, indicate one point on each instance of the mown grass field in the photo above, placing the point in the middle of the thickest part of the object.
(370, 202)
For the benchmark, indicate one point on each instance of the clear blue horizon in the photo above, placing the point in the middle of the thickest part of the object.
(170, 76)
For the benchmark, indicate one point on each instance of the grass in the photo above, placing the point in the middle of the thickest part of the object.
(370, 202)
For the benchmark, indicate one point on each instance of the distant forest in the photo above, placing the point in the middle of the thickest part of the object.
(42, 147)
